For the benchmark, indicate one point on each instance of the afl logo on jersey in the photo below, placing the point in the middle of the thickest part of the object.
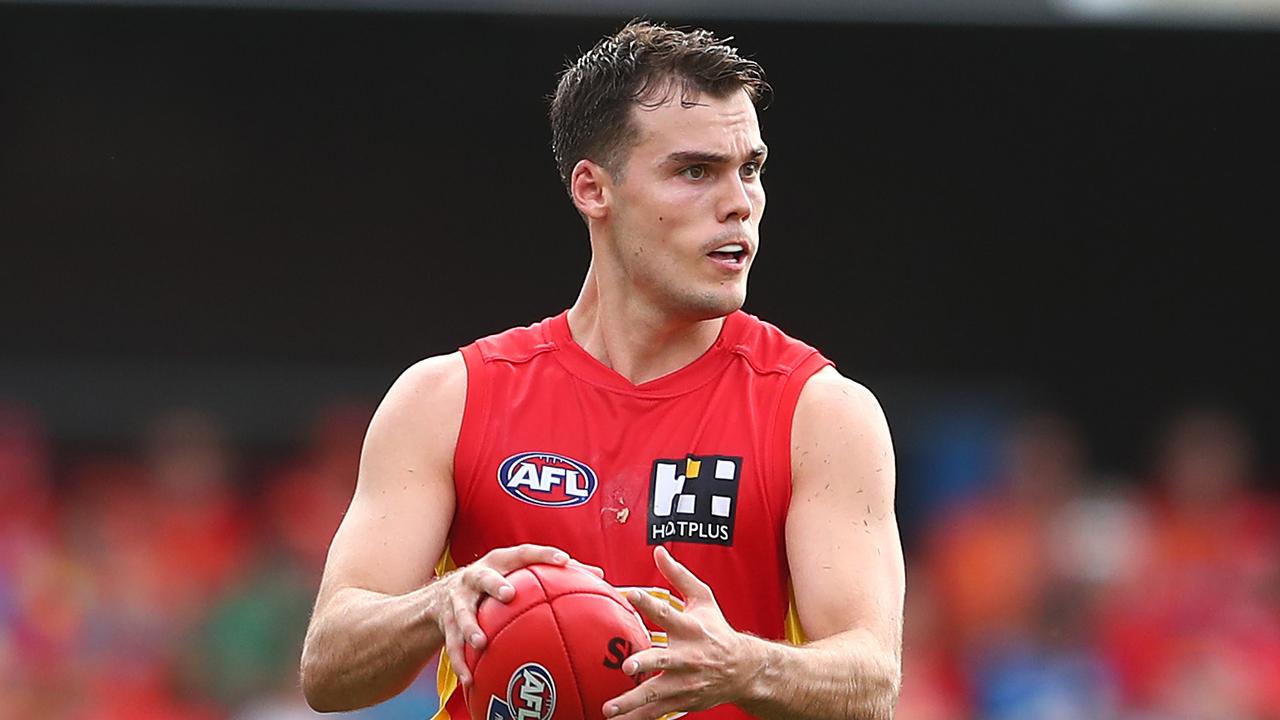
(547, 479)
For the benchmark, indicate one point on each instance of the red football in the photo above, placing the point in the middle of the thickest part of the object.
(555, 650)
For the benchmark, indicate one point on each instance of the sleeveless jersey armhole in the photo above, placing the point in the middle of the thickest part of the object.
(779, 462)
(475, 416)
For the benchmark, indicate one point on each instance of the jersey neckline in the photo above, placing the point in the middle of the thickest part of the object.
(585, 366)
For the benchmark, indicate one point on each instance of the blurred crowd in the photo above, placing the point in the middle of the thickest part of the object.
(1052, 594)
(174, 579)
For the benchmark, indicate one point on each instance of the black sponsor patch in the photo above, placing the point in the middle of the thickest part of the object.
(693, 499)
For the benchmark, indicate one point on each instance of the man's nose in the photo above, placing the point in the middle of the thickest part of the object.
(736, 202)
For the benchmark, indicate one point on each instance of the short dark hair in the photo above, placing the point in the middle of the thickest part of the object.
(640, 64)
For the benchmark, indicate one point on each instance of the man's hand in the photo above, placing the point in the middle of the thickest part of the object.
(457, 594)
(706, 662)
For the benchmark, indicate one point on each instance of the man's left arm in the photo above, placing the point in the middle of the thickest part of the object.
(846, 563)
(847, 575)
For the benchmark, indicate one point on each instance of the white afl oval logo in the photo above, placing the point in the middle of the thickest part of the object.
(531, 693)
(547, 479)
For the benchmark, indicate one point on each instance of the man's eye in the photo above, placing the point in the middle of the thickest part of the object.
(695, 172)
(752, 169)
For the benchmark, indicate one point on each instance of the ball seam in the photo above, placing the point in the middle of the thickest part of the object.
(577, 678)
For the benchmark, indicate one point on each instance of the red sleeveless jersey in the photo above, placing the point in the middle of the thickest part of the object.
(558, 449)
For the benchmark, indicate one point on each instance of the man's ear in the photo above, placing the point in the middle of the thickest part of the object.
(592, 188)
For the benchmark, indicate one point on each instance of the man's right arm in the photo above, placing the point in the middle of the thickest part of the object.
(379, 615)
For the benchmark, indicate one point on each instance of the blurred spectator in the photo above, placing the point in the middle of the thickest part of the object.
(1197, 630)
(249, 643)
(947, 458)
(200, 526)
(26, 480)
(990, 556)
(1099, 537)
(259, 629)
(305, 499)
(43, 593)
(933, 686)
(1053, 672)
(1018, 619)
(163, 537)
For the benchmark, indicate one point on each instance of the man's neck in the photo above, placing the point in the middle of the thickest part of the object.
(634, 339)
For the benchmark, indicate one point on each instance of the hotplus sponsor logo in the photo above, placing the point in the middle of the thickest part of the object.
(694, 499)
(547, 479)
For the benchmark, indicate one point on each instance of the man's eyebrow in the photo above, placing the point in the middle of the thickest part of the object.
(698, 157)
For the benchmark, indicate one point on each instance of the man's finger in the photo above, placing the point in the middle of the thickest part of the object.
(491, 582)
(464, 619)
(648, 661)
(681, 577)
(460, 664)
(453, 646)
(506, 560)
(597, 571)
(657, 711)
(659, 612)
(649, 699)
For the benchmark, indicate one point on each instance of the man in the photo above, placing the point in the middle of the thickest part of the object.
(653, 414)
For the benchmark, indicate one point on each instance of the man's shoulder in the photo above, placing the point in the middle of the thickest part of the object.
(516, 344)
(434, 377)
(832, 408)
(769, 349)
(445, 377)
(423, 408)
(828, 392)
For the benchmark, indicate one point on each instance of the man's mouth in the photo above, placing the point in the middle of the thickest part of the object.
(733, 253)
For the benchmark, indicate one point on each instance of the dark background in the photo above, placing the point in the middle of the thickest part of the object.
(224, 201)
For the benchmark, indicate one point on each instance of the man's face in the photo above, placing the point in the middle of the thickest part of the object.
(685, 217)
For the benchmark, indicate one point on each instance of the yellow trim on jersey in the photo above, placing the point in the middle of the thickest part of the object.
(791, 626)
(446, 678)
(446, 563)
(446, 683)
